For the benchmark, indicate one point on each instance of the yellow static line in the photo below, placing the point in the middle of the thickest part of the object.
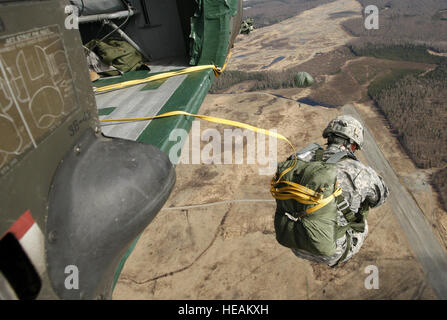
(217, 71)
(294, 191)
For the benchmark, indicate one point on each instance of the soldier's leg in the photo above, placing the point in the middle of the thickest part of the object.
(357, 240)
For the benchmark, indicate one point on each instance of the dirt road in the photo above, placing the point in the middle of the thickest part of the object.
(425, 245)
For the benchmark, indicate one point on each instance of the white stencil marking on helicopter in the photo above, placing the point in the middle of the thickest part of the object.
(36, 90)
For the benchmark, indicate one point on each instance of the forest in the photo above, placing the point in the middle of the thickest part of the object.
(414, 104)
(260, 80)
(416, 107)
(404, 21)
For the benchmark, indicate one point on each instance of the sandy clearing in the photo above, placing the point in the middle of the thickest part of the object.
(294, 40)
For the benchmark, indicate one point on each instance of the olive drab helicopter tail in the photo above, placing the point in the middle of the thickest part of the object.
(75, 195)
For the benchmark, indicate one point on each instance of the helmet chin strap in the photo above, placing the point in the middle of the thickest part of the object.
(352, 147)
(347, 143)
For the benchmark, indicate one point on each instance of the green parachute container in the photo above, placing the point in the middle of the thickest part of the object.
(303, 79)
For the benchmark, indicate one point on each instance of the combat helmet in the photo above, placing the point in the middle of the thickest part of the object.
(347, 127)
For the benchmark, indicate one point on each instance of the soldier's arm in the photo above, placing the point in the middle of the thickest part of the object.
(375, 190)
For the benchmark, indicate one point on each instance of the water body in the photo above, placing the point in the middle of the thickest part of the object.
(311, 102)
(306, 100)
(342, 14)
(273, 62)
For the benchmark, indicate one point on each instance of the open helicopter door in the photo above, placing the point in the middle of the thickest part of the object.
(80, 197)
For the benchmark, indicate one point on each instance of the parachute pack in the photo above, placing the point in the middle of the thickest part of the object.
(307, 219)
(119, 54)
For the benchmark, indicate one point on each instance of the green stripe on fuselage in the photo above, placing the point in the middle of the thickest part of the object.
(188, 97)
(105, 111)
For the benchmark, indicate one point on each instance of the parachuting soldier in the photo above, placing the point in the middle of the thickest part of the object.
(311, 236)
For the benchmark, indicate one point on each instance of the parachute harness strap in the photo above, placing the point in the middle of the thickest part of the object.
(217, 72)
(302, 195)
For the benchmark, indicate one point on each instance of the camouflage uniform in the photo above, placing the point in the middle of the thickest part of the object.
(359, 183)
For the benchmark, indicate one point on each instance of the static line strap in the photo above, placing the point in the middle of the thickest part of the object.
(293, 190)
(207, 118)
(217, 72)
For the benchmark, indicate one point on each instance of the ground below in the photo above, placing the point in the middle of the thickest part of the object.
(227, 249)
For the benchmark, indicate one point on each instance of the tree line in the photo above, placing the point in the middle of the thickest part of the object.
(416, 107)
